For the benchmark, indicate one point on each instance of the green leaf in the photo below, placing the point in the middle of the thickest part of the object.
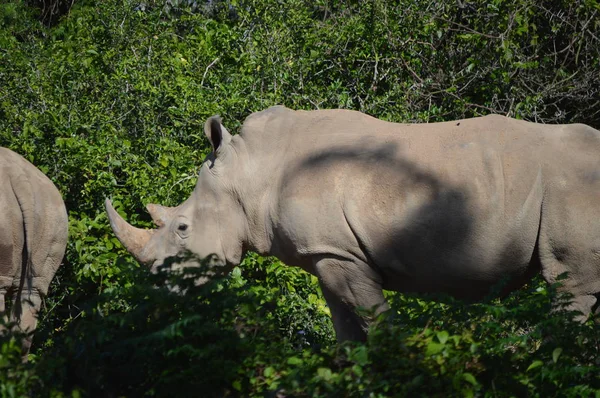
(470, 378)
(361, 355)
(535, 364)
(294, 361)
(434, 348)
(269, 371)
(324, 373)
(556, 353)
(442, 336)
(357, 370)
(236, 272)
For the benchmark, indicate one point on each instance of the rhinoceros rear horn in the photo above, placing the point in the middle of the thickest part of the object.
(160, 214)
(134, 239)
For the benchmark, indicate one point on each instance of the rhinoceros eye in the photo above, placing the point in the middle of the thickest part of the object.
(183, 229)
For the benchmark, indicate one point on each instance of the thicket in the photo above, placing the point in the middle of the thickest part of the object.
(109, 98)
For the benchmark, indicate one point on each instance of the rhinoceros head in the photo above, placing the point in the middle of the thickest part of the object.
(210, 222)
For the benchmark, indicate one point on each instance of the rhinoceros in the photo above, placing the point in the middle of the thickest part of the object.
(364, 204)
(33, 239)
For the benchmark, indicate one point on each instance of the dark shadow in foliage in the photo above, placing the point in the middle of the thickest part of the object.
(168, 343)
(500, 343)
(166, 335)
(16, 378)
(215, 9)
(51, 10)
(433, 349)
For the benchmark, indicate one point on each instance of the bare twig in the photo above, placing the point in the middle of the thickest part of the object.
(206, 70)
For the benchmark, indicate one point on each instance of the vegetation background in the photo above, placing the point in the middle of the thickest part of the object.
(108, 98)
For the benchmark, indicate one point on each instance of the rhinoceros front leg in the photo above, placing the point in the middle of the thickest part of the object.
(348, 285)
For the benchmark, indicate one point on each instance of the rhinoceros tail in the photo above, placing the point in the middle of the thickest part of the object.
(25, 197)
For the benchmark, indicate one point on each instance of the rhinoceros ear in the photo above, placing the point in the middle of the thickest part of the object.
(216, 133)
(160, 214)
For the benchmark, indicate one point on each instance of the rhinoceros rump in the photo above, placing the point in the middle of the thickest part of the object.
(33, 238)
(366, 205)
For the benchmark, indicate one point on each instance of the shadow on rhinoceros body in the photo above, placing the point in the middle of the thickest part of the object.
(418, 247)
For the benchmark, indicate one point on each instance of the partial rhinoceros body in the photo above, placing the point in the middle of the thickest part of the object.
(366, 205)
(33, 238)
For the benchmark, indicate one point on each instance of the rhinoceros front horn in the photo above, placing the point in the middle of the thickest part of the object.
(134, 239)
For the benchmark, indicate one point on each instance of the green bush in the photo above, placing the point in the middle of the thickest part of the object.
(110, 102)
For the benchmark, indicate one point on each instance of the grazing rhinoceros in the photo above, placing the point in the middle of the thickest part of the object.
(33, 238)
(366, 205)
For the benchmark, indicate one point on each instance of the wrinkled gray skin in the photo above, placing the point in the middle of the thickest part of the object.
(366, 205)
(33, 238)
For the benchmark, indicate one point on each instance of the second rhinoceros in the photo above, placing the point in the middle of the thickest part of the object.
(33, 239)
(366, 205)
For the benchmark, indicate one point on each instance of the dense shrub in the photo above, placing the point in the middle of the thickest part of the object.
(110, 102)
(164, 343)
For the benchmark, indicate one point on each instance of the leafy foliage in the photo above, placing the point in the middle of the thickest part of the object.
(110, 102)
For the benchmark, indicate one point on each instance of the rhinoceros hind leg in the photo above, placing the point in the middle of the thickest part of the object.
(25, 312)
(346, 286)
(569, 243)
(3, 317)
